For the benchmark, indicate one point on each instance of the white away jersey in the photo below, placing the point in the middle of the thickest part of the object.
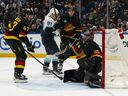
(48, 22)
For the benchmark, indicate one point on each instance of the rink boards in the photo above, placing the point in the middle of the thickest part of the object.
(35, 39)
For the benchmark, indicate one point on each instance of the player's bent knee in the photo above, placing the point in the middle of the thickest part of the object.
(55, 58)
(48, 59)
(68, 75)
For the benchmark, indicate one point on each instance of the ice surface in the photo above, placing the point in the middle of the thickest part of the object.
(39, 85)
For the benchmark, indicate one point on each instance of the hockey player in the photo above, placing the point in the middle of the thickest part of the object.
(15, 34)
(50, 26)
(71, 28)
(89, 57)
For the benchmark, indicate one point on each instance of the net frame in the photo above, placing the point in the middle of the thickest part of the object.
(103, 73)
(103, 54)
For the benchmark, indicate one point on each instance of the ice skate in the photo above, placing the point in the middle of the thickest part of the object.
(20, 78)
(60, 67)
(46, 71)
(55, 69)
(57, 72)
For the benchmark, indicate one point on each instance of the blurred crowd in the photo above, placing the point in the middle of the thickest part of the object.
(9, 9)
(92, 14)
(96, 15)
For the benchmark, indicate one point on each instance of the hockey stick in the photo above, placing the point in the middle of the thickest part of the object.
(78, 39)
(43, 65)
(69, 37)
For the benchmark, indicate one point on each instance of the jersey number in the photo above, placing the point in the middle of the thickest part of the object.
(49, 24)
(14, 24)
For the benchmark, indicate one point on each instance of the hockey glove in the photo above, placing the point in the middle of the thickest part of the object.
(31, 48)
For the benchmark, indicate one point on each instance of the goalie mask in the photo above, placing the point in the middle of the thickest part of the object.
(88, 35)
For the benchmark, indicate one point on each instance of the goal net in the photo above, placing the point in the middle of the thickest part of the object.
(115, 58)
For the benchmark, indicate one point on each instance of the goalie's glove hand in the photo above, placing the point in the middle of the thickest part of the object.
(31, 48)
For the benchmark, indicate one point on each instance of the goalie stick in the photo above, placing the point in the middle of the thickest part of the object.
(43, 65)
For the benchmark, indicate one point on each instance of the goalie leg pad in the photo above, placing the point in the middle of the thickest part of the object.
(90, 76)
(79, 75)
(68, 76)
(95, 83)
(94, 80)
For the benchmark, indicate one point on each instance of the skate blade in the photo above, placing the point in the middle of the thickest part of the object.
(47, 73)
(60, 75)
(20, 81)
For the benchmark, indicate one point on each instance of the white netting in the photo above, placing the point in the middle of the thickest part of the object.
(111, 42)
(116, 61)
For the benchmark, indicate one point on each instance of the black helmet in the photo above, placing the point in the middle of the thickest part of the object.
(88, 35)
(70, 6)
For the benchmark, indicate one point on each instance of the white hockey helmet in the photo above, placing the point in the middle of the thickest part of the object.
(53, 11)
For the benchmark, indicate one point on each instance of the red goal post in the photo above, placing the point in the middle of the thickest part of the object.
(102, 31)
(112, 46)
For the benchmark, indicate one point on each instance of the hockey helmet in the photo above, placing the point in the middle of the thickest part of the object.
(53, 11)
(88, 35)
(54, 14)
(70, 6)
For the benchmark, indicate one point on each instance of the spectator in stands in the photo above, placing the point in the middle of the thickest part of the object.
(92, 12)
